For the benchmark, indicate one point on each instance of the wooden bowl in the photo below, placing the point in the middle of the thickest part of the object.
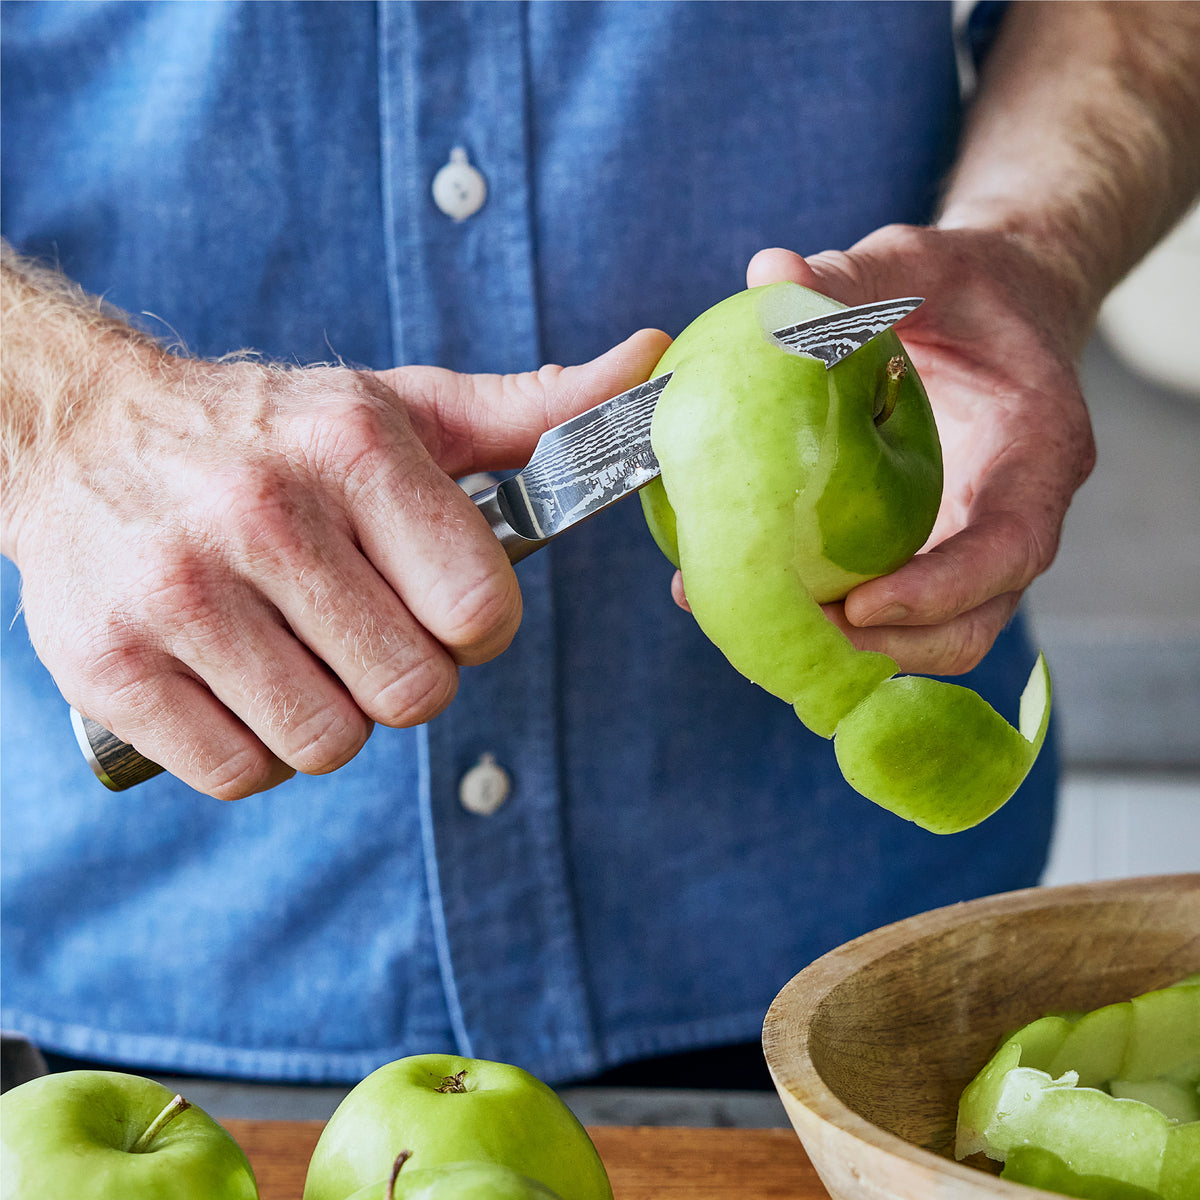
(871, 1046)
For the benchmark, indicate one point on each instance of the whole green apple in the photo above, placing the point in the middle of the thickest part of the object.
(455, 1181)
(783, 486)
(443, 1109)
(99, 1135)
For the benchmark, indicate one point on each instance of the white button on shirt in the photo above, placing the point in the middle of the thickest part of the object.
(485, 787)
(459, 190)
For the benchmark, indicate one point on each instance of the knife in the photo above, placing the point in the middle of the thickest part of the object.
(578, 469)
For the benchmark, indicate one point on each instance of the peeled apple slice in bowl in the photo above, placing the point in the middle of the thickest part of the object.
(1103, 1103)
(783, 486)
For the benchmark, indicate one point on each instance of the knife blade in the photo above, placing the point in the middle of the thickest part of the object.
(602, 455)
(578, 469)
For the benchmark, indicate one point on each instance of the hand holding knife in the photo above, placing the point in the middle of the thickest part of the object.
(577, 469)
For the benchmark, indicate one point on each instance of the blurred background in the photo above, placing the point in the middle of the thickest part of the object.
(1118, 614)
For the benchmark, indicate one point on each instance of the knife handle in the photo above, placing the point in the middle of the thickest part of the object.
(490, 503)
(115, 763)
(119, 766)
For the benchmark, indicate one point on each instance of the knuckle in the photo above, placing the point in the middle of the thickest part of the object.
(416, 695)
(248, 507)
(1015, 539)
(1084, 443)
(113, 662)
(351, 431)
(963, 656)
(250, 769)
(193, 615)
(261, 519)
(110, 671)
(175, 579)
(478, 621)
(323, 740)
(973, 636)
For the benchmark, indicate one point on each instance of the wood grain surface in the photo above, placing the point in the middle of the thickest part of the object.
(644, 1162)
(872, 1044)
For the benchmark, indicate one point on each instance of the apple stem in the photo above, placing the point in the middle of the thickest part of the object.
(401, 1159)
(897, 368)
(174, 1107)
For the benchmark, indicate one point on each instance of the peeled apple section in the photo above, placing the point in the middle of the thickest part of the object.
(1104, 1103)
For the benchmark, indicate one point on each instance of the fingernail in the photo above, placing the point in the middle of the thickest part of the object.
(889, 614)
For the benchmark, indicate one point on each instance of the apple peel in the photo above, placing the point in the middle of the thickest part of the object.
(1103, 1103)
(783, 486)
(937, 753)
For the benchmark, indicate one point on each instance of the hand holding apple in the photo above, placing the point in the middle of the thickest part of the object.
(996, 344)
(444, 1109)
(783, 487)
(785, 484)
(98, 1135)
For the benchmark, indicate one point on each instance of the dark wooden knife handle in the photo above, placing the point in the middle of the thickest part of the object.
(116, 763)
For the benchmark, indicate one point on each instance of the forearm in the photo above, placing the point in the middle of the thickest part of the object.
(1083, 142)
(64, 353)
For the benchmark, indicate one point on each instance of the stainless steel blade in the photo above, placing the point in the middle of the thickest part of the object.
(578, 469)
(551, 494)
(835, 336)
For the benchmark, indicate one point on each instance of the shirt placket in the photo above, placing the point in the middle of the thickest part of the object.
(461, 284)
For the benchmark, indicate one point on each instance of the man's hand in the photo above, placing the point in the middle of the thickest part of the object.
(238, 568)
(1016, 438)
(1081, 149)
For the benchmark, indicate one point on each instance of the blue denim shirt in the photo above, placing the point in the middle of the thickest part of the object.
(676, 844)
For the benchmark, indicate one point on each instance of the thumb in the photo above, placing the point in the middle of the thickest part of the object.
(572, 390)
(492, 422)
(832, 273)
(778, 266)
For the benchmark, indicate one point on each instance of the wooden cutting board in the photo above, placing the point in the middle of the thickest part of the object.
(644, 1163)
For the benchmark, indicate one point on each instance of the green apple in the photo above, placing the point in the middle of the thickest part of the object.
(455, 1181)
(779, 491)
(445, 1109)
(783, 486)
(96, 1135)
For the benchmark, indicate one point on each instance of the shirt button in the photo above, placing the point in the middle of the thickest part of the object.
(459, 190)
(485, 787)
